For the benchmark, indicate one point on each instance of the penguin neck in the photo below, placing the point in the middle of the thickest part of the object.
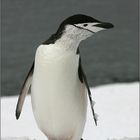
(68, 37)
(68, 42)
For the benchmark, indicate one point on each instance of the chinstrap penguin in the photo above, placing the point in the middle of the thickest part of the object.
(59, 87)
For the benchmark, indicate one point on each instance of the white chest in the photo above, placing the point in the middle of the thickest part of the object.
(56, 68)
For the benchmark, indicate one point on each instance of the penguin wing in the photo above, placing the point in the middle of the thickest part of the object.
(83, 79)
(24, 91)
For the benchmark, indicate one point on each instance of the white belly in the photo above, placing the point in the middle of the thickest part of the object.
(58, 98)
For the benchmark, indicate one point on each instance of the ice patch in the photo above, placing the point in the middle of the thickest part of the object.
(117, 106)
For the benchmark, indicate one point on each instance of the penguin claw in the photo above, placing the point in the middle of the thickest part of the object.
(93, 103)
(96, 116)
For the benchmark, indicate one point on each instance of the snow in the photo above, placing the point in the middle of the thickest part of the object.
(117, 106)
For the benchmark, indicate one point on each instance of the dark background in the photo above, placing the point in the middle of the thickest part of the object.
(108, 57)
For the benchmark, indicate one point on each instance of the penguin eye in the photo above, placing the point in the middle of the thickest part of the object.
(85, 25)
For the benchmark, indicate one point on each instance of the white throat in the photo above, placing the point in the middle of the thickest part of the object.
(72, 37)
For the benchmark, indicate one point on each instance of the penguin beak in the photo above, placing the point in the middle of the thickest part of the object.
(104, 25)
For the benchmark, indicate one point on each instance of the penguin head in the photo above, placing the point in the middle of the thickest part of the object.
(82, 26)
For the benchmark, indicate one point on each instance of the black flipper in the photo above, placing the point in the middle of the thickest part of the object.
(83, 78)
(24, 91)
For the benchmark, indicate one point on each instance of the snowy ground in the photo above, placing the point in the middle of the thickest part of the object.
(117, 106)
